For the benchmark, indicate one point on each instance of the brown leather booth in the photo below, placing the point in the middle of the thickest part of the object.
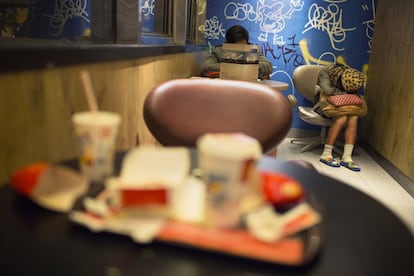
(179, 111)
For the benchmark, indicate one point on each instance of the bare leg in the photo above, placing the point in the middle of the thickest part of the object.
(350, 137)
(335, 129)
(351, 130)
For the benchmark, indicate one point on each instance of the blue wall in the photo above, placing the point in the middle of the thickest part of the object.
(296, 32)
(62, 19)
(52, 19)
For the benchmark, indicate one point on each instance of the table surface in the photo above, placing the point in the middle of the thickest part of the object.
(279, 85)
(361, 237)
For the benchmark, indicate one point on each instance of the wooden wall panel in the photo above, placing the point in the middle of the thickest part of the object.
(389, 126)
(36, 106)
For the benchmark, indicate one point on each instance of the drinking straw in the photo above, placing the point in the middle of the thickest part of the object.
(88, 89)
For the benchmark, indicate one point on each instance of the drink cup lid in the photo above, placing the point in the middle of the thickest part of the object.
(235, 146)
(99, 118)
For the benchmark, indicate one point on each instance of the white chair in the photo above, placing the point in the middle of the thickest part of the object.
(304, 80)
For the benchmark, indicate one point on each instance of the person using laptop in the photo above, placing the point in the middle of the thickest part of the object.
(239, 35)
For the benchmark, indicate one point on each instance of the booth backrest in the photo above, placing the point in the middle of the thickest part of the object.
(179, 111)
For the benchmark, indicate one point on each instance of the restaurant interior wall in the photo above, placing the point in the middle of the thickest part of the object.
(36, 105)
(146, 22)
(292, 33)
(51, 41)
(389, 125)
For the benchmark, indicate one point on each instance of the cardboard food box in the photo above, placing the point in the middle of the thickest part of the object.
(240, 62)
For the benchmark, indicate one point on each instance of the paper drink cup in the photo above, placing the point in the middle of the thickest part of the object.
(225, 160)
(97, 134)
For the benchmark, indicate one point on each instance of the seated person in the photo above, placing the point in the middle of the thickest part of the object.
(236, 34)
(337, 79)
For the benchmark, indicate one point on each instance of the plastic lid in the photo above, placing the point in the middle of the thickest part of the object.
(233, 146)
(99, 118)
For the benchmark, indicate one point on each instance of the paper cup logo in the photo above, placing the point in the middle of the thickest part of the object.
(217, 188)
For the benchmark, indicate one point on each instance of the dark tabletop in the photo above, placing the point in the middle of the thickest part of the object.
(360, 237)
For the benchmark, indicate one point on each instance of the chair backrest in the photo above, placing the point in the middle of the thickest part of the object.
(305, 78)
(179, 111)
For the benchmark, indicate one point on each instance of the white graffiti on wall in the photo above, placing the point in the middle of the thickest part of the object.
(214, 29)
(147, 8)
(273, 20)
(270, 14)
(66, 10)
(328, 20)
(369, 24)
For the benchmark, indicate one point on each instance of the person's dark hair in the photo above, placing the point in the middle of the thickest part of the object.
(339, 83)
(236, 33)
